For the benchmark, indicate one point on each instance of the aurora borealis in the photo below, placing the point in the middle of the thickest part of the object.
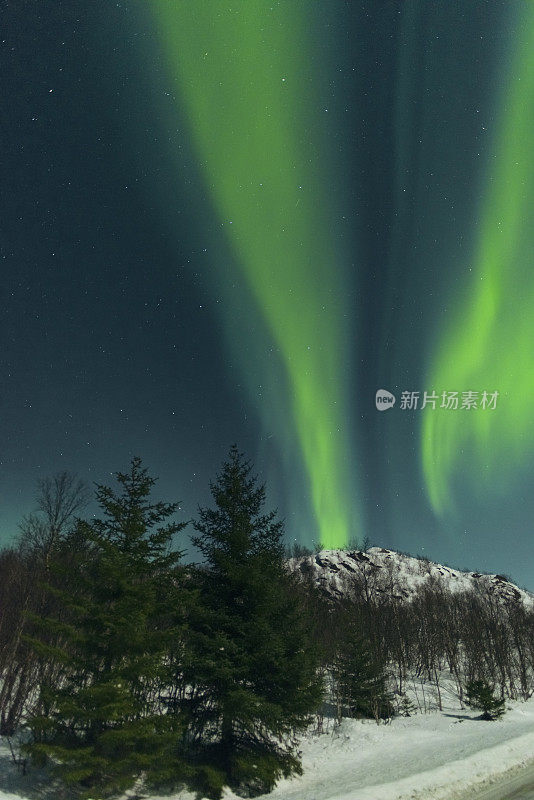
(237, 221)
(247, 90)
(489, 340)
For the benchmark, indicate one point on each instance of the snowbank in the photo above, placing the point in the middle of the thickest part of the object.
(438, 756)
(435, 756)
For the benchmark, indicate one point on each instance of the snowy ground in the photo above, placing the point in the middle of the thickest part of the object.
(437, 756)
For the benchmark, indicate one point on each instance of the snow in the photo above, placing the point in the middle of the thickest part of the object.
(437, 756)
(427, 756)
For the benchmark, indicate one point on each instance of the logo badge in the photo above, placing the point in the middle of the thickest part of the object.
(384, 400)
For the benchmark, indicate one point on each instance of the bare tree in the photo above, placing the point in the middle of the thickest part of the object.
(24, 574)
(59, 499)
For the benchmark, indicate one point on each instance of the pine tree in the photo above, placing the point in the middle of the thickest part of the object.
(103, 722)
(359, 678)
(479, 696)
(253, 673)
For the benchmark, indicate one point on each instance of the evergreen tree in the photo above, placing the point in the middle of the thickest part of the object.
(253, 673)
(359, 678)
(103, 722)
(479, 696)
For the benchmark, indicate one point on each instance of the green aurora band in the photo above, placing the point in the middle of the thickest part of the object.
(244, 82)
(489, 344)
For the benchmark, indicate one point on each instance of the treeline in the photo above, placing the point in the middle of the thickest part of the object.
(119, 663)
(437, 636)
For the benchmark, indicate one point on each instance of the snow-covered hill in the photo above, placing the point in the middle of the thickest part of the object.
(381, 572)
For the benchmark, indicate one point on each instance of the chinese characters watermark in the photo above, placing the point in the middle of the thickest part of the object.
(411, 401)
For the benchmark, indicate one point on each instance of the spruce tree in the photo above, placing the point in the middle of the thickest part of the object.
(359, 678)
(253, 672)
(479, 695)
(103, 722)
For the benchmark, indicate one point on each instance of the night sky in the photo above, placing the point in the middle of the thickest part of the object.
(236, 221)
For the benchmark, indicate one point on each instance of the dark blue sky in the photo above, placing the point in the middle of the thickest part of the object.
(112, 343)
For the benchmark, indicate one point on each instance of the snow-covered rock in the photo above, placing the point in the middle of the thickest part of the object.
(382, 572)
